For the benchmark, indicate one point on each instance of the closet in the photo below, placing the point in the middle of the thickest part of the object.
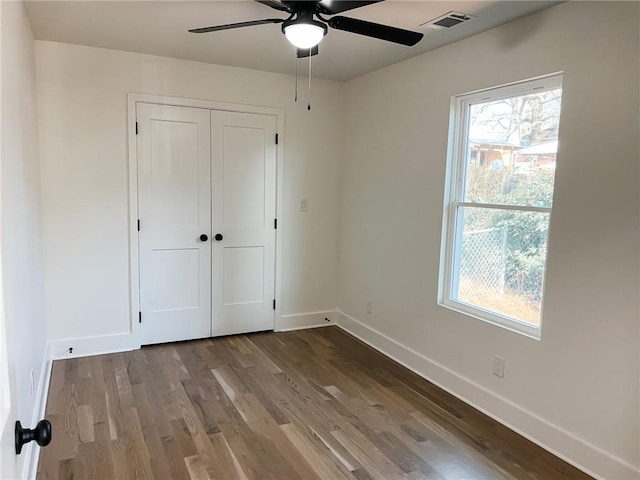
(206, 209)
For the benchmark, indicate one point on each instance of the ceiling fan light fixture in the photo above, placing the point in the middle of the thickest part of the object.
(304, 35)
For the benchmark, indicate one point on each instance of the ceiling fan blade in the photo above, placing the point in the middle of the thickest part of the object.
(277, 5)
(376, 30)
(229, 26)
(331, 7)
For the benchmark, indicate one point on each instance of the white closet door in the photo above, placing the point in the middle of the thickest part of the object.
(174, 159)
(243, 171)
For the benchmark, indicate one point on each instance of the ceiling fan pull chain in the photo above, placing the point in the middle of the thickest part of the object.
(309, 104)
(295, 98)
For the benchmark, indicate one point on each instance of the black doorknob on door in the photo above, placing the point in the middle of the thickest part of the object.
(204, 237)
(41, 434)
(219, 237)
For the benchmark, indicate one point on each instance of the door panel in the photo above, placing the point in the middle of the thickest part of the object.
(175, 279)
(175, 209)
(243, 177)
(244, 275)
(174, 172)
(244, 194)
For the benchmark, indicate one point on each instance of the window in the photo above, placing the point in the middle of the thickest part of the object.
(499, 201)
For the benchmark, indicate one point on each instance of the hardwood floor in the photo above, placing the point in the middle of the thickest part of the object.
(298, 405)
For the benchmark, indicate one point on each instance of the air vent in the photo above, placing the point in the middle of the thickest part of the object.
(448, 20)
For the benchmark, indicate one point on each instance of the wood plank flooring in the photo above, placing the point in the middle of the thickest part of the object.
(311, 404)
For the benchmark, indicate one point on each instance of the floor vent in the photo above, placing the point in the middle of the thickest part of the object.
(448, 20)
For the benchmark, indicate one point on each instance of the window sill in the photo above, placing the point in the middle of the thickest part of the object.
(494, 319)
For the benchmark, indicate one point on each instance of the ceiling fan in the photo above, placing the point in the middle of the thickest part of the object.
(305, 32)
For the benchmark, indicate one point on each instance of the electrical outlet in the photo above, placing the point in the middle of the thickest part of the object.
(33, 382)
(368, 307)
(304, 204)
(498, 366)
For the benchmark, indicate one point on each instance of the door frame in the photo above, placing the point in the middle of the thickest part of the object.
(134, 261)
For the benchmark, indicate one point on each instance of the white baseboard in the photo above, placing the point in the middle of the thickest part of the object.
(300, 321)
(88, 346)
(565, 445)
(123, 342)
(32, 450)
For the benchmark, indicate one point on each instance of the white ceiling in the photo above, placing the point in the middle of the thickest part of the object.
(160, 28)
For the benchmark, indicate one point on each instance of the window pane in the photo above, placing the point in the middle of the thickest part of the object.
(500, 261)
(511, 150)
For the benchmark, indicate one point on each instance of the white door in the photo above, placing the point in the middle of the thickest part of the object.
(174, 202)
(9, 461)
(243, 172)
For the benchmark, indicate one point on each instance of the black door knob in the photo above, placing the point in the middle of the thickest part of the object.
(219, 236)
(204, 237)
(41, 434)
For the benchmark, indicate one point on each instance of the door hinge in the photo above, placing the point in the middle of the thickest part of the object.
(274, 303)
(276, 139)
(275, 223)
(136, 128)
(139, 317)
(138, 224)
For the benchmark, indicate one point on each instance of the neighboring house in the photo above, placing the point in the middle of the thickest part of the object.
(542, 155)
(491, 153)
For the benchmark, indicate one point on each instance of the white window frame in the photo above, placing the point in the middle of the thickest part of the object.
(454, 191)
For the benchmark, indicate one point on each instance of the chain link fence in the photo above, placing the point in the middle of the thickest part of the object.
(483, 258)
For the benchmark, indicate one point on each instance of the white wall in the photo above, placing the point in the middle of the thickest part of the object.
(21, 218)
(83, 131)
(577, 390)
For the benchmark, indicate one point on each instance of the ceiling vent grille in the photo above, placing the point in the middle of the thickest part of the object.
(448, 20)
